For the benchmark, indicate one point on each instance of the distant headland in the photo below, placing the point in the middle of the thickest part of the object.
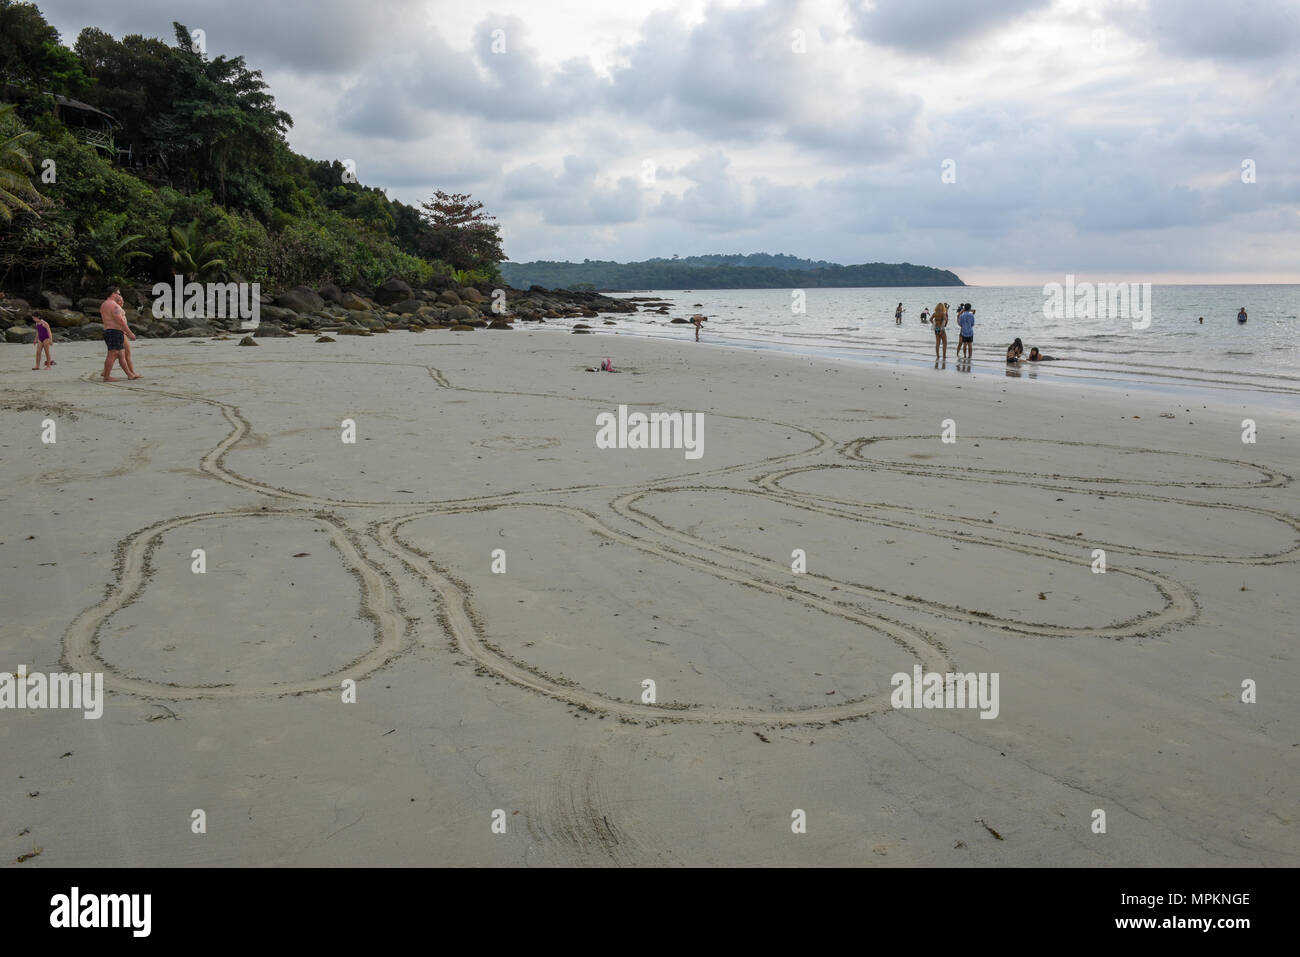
(752, 271)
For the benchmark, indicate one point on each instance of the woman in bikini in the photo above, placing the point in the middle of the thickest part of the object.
(939, 323)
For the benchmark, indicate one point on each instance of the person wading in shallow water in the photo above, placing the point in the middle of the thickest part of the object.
(939, 323)
(697, 320)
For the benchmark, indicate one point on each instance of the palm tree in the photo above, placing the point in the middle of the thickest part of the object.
(189, 257)
(113, 251)
(15, 166)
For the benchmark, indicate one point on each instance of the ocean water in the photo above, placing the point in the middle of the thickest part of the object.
(1174, 351)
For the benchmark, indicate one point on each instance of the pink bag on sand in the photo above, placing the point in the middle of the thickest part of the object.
(606, 365)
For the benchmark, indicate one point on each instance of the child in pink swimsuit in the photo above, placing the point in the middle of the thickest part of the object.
(44, 339)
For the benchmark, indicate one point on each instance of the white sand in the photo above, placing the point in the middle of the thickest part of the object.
(522, 691)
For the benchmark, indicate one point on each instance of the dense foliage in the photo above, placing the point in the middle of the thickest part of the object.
(199, 177)
(756, 271)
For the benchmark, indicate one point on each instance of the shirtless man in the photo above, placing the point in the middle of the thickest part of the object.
(116, 331)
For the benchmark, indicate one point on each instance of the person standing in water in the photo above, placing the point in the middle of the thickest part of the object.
(939, 323)
(925, 315)
(966, 321)
(1241, 316)
(898, 315)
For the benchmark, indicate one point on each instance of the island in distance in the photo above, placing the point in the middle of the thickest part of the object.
(753, 271)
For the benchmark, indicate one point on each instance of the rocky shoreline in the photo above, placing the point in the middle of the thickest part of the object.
(325, 312)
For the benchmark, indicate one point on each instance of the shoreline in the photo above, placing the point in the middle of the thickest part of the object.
(1279, 398)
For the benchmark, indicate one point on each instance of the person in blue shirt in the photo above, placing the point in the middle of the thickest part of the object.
(966, 320)
(1241, 316)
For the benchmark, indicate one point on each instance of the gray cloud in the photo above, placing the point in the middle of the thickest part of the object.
(324, 37)
(922, 26)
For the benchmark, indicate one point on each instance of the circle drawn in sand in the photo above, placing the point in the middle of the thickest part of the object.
(517, 443)
(1013, 460)
(81, 651)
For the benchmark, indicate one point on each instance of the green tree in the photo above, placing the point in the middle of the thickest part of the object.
(194, 258)
(106, 251)
(31, 56)
(16, 189)
(460, 233)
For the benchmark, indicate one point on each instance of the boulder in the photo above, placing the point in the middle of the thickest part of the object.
(394, 290)
(194, 331)
(91, 330)
(499, 324)
(331, 292)
(267, 330)
(326, 339)
(248, 341)
(54, 300)
(15, 304)
(461, 327)
(24, 334)
(278, 313)
(299, 299)
(408, 306)
(581, 332)
(353, 331)
(63, 318)
(470, 294)
(581, 325)
(683, 321)
(449, 297)
(90, 305)
(462, 313)
(350, 300)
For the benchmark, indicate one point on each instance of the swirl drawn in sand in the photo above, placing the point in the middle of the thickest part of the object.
(463, 624)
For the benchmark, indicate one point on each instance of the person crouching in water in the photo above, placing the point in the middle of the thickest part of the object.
(939, 323)
(1015, 351)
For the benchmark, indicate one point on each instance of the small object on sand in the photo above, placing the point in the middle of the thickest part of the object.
(248, 341)
(990, 830)
(301, 554)
(326, 339)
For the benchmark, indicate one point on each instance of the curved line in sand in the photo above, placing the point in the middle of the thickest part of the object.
(467, 631)
(853, 450)
(772, 482)
(213, 462)
(81, 645)
(1179, 605)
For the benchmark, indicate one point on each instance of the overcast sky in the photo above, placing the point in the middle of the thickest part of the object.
(1104, 139)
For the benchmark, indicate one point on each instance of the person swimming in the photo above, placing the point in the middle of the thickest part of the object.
(1241, 316)
(1015, 351)
(1036, 356)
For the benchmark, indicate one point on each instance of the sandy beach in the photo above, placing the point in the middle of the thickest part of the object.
(500, 589)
